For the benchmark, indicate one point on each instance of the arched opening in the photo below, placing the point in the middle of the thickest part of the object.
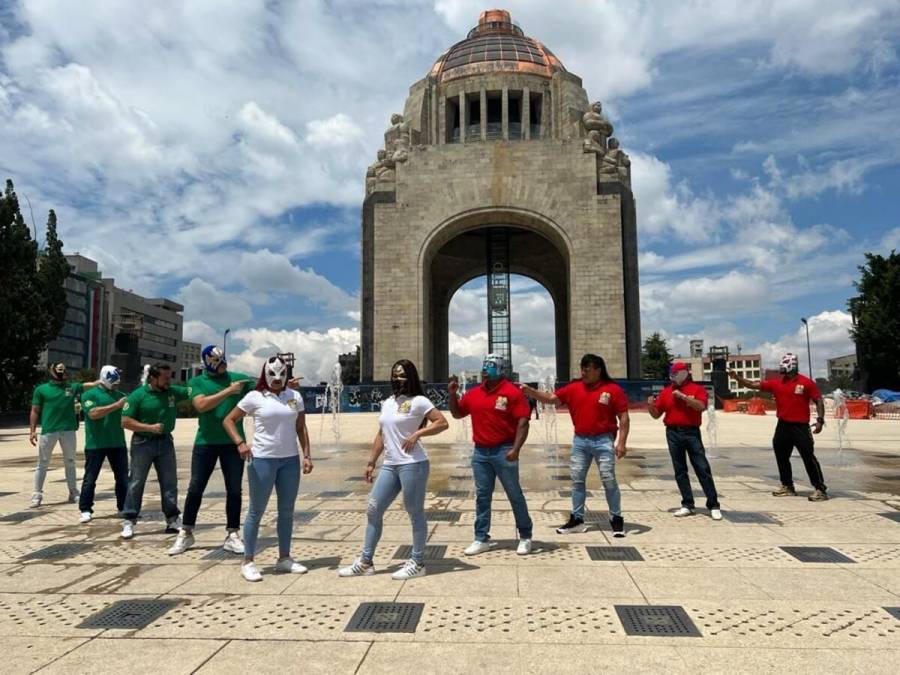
(533, 328)
(456, 253)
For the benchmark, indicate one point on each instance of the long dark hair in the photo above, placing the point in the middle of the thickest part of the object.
(413, 383)
(598, 363)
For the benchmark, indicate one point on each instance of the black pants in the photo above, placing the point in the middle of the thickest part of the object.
(790, 435)
(203, 462)
(93, 462)
(686, 444)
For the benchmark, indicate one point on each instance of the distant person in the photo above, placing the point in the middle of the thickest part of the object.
(599, 410)
(150, 413)
(215, 393)
(273, 461)
(403, 421)
(104, 440)
(500, 418)
(683, 402)
(53, 404)
(793, 393)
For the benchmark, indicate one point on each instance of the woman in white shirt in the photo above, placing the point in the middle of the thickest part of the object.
(404, 469)
(273, 460)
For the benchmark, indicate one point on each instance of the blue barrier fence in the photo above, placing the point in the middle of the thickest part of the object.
(368, 397)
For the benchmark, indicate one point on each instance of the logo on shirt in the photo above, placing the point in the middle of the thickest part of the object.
(405, 407)
(798, 389)
(604, 398)
(501, 403)
(88, 404)
(69, 393)
(171, 400)
(126, 406)
(190, 391)
(292, 404)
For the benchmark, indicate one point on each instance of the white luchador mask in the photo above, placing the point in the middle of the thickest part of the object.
(276, 372)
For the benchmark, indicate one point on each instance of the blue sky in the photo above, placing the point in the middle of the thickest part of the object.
(215, 153)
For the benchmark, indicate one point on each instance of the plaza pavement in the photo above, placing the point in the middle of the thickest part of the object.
(754, 606)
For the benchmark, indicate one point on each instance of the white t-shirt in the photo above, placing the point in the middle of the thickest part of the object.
(400, 417)
(275, 417)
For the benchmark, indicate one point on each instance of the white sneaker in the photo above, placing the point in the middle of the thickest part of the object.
(683, 511)
(477, 547)
(85, 517)
(409, 570)
(715, 514)
(73, 497)
(250, 573)
(524, 547)
(290, 566)
(36, 500)
(127, 529)
(183, 542)
(357, 569)
(233, 543)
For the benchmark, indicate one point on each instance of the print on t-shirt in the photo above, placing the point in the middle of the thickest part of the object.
(501, 403)
(604, 398)
(798, 389)
(405, 406)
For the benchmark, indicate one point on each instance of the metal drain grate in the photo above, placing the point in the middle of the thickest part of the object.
(335, 494)
(20, 517)
(816, 554)
(890, 476)
(129, 614)
(460, 477)
(754, 517)
(595, 516)
(442, 516)
(893, 611)
(56, 552)
(656, 620)
(355, 479)
(894, 515)
(431, 552)
(561, 476)
(457, 494)
(568, 493)
(386, 617)
(603, 553)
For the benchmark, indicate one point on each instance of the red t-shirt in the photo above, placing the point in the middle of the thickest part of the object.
(594, 409)
(792, 397)
(496, 413)
(677, 412)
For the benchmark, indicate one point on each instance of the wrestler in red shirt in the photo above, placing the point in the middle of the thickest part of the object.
(500, 416)
(599, 411)
(793, 393)
(683, 402)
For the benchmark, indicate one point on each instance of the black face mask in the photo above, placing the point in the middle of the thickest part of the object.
(399, 386)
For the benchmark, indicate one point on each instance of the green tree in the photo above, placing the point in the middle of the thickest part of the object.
(655, 358)
(876, 315)
(26, 294)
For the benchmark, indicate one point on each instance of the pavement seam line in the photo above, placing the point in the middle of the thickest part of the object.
(211, 656)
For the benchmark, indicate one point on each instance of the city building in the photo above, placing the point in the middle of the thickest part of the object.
(81, 344)
(842, 366)
(349, 366)
(499, 165)
(190, 360)
(746, 365)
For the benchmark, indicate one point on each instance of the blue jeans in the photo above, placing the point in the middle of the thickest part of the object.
(264, 473)
(489, 464)
(686, 441)
(410, 479)
(159, 452)
(599, 449)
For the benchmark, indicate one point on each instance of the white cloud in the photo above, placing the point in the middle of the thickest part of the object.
(828, 335)
(315, 352)
(333, 132)
(210, 306)
(201, 332)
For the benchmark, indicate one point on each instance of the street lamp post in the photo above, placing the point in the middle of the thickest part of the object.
(225, 342)
(808, 353)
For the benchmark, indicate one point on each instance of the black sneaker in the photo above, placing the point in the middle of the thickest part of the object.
(573, 526)
(618, 526)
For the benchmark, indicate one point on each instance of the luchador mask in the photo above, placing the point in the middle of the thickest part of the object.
(679, 373)
(58, 371)
(276, 371)
(399, 380)
(789, 364)
(110, 378)
(493, 366)
(212, 358)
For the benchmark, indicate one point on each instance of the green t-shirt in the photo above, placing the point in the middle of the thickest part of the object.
(149, 406)
(106, 432)
(57, 403)
(209, 429)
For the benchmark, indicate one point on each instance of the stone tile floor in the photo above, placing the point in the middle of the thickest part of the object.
(754, 605)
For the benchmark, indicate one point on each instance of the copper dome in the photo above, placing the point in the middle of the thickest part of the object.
(496, 44)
